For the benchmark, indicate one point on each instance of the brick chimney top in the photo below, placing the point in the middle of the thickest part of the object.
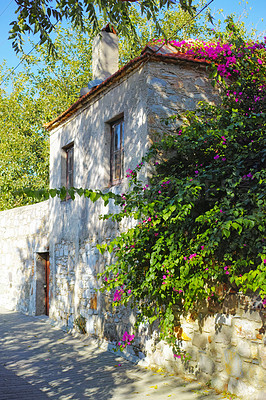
(109, 29)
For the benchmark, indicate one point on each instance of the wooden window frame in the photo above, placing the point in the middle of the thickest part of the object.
(67, 174)
(69, 166)
(116, 175)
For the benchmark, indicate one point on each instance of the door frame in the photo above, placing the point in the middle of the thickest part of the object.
(45, 256)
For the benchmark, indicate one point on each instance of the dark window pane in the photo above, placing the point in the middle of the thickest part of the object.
(117, 165)
(122, 133)
(70, 167)
(117, 151)
(117, 137)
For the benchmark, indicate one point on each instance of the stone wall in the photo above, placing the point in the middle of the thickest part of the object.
(23, 233)
(75, 289)
(174, 89)
(226, 348)
(74, 225)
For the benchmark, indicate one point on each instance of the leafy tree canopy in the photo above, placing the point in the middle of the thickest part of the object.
(47, 86)
(41, 16)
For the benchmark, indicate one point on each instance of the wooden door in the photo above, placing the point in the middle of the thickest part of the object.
(47, 277)
(42, 283)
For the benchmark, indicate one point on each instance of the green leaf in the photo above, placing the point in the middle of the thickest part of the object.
(94, 196)
(63, 193)
(53, 192)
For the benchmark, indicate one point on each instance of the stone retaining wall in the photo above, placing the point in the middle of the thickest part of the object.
(23, 232)
(225, 348)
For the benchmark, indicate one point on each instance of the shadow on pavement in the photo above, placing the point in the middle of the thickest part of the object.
(44, 362)
(14, 387)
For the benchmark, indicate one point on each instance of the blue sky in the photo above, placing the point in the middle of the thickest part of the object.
(256, 10)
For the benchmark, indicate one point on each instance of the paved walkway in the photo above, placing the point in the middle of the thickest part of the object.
(39, 361)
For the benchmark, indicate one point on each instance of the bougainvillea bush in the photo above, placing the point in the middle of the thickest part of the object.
(200, 220)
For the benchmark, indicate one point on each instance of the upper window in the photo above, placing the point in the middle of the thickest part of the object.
(67, 167)
(117, 152)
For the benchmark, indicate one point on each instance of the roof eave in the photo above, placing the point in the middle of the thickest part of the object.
(130, 66)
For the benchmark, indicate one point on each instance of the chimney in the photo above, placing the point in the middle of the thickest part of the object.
(105, 54)
(104, 57)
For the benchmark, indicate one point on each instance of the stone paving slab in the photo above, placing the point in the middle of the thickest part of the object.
(40, 361)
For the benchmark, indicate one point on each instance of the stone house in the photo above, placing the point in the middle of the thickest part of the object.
(49, 264)
(107, 131)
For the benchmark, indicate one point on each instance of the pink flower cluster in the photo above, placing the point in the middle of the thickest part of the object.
(226, 269)
(147, 220)
(202, 49)
(221, 54)
(190, 257)
(130, 173)
(127, 339)
(165, 277)
(210, 51)
(165, 183)
(224, 139)
(249, 175)
(178, 290)
(118, 295)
